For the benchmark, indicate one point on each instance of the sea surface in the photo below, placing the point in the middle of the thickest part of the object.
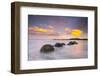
(76, 51)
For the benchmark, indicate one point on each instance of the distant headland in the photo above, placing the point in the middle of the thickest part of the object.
(73, 39)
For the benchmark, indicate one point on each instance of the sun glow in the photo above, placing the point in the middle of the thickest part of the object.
(76, 33)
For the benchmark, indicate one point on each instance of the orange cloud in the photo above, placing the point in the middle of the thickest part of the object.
(68, 30)
(51, 32)
(39, 29)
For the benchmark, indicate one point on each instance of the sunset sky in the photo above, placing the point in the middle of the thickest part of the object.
(61, 27)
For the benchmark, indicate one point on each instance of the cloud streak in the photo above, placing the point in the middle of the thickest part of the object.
(50, 31)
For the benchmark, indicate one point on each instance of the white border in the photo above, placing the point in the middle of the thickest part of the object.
(25, 64)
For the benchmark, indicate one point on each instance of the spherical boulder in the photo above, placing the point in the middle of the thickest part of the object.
(47, 48)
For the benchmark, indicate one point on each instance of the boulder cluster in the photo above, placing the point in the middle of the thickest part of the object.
(50, 48)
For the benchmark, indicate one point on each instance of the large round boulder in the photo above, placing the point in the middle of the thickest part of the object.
(47, 48)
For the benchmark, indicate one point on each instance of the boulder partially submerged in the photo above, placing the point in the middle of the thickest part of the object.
(72, 43)
(59, 44)
(47, 48)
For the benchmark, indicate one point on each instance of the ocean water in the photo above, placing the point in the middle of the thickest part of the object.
(77, 51)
